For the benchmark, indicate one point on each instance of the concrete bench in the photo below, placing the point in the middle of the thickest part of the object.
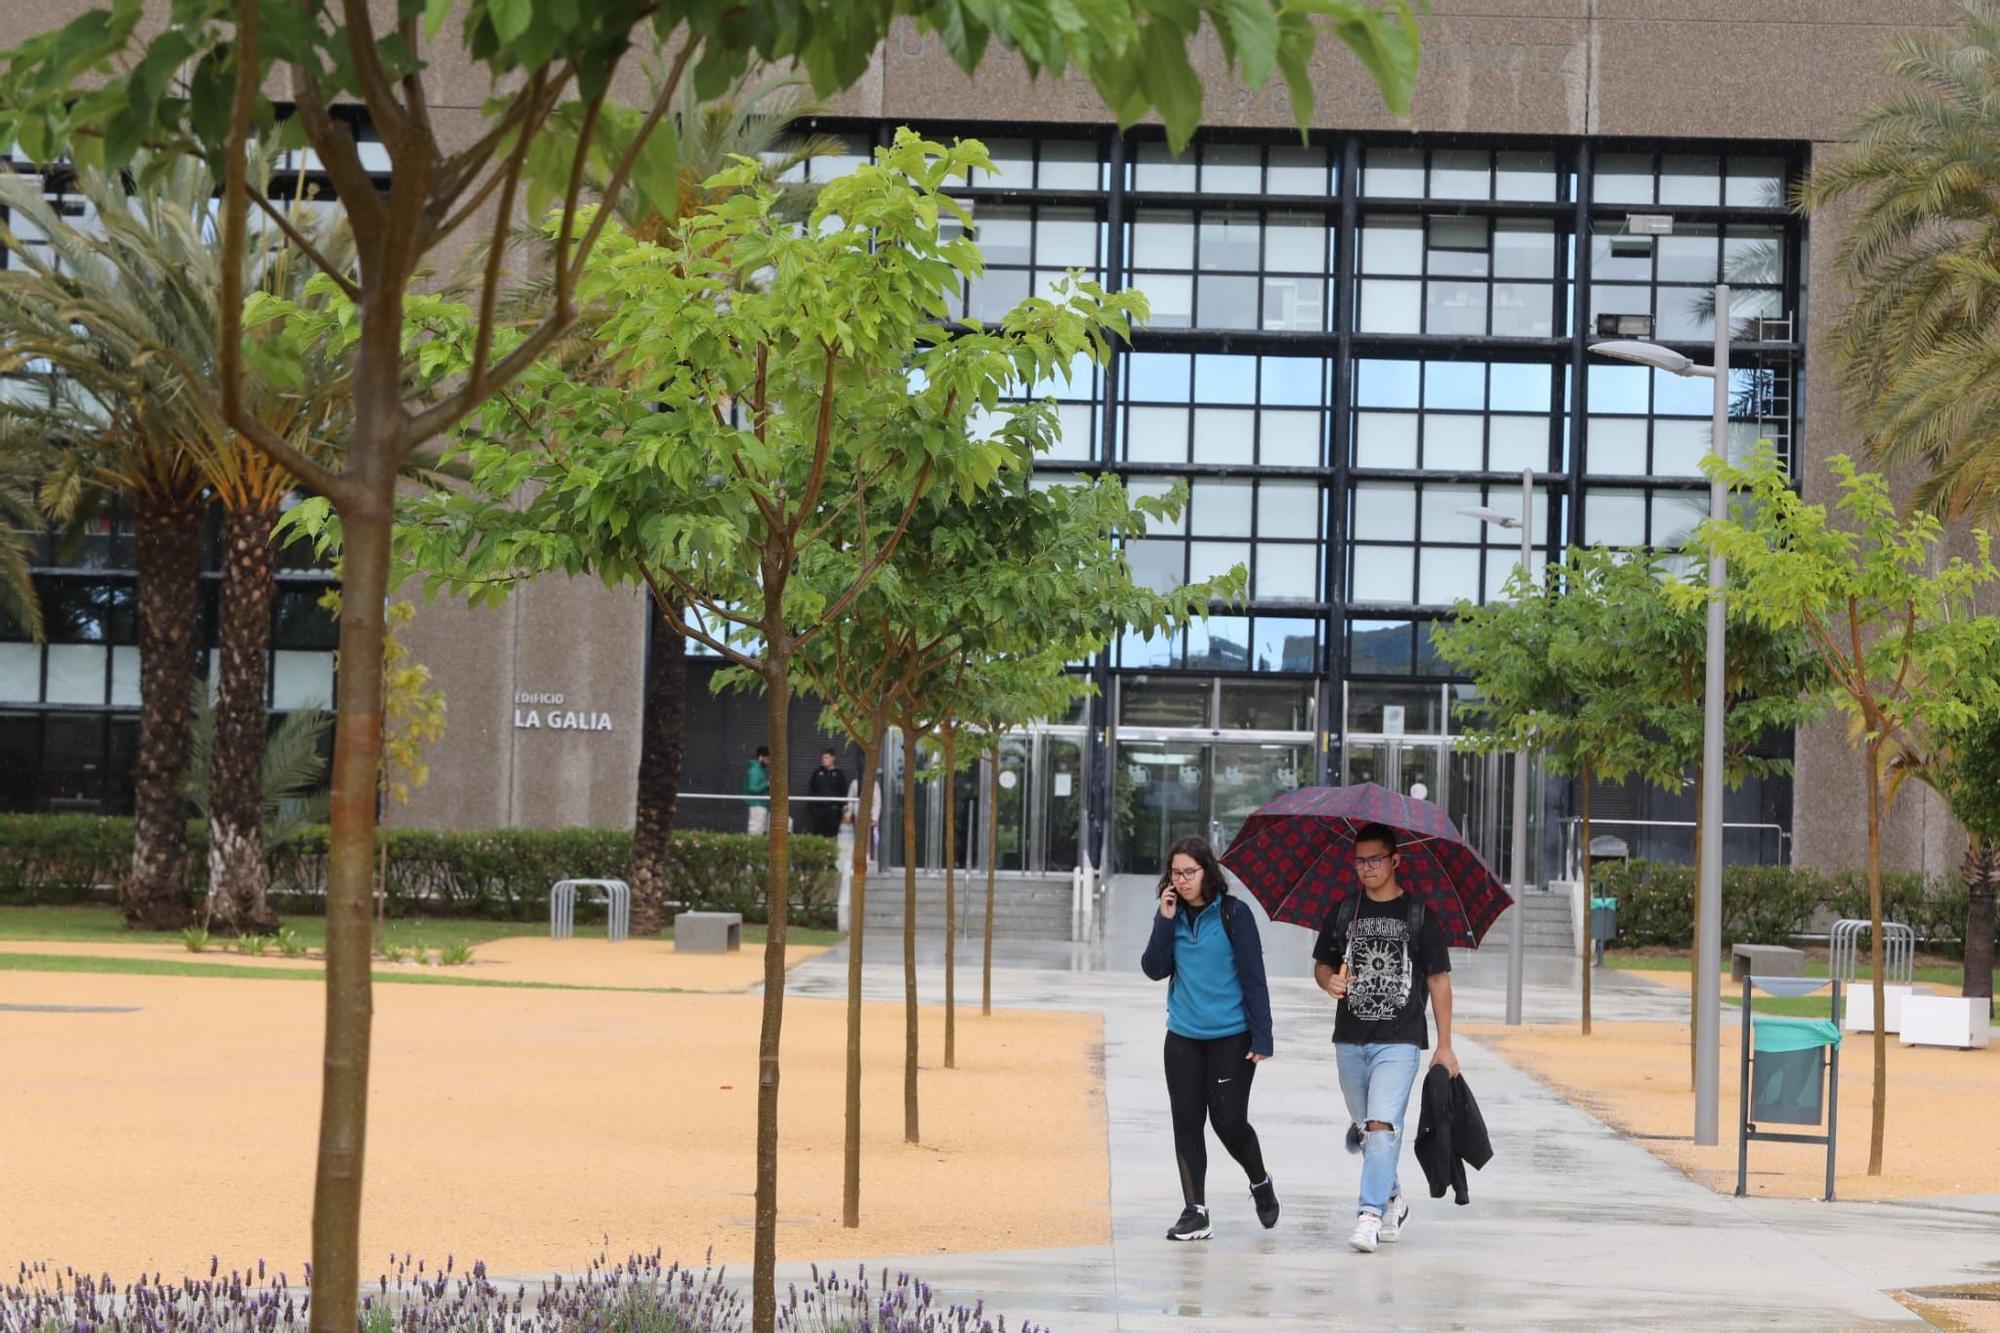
(1765, 960)
(708, 932)
(1947, 1020)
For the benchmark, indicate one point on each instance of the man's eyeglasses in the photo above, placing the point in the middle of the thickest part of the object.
(1372, 862)
(1189, 875)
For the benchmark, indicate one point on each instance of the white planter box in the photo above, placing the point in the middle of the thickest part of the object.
(1861, 1005)
(1946, 1020)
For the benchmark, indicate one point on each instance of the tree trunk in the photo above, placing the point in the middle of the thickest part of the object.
(992, 860)
(357, 762)
(950, 789)
(1982, 871)
(1583, 789)
(1879, 1110)
(662, 735)
(1694, 916)
(909, 934)
(167, 556)
(857, 920)
(236, 871)
(778, 888)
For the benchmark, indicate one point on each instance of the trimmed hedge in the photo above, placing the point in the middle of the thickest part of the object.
(497, 873)
(1769, 904)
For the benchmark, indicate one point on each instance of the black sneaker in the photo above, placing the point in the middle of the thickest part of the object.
(1266, 1198)
(1193, 1225)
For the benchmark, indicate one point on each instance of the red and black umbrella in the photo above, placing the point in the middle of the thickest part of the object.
(1296, 854)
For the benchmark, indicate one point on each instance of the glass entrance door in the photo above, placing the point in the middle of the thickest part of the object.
(1168, 789)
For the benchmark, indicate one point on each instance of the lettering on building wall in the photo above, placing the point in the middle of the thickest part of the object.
(540, 710)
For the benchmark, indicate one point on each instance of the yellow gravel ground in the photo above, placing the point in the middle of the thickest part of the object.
(525, 1127)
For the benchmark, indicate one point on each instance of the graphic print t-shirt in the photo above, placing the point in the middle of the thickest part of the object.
(1386, 972)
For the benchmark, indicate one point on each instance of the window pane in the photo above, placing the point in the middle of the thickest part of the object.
(1513, 443)
(1687, 256)
(1077, 423)
(1228, 168)
(1220, 509)
(76, 673)
(1267, 705)
(1219, 643)
(1295, 245)
(1454, 307)
(1171, 296)
(1288, 509)
(995, 293)
(1066, 237)
(1207, 560)
(1619, 389)
(20, 673)
(1225, 379)
(1455, 384)
(1288, 439)
(1163, 240)
(1690, 180)
(1385, 439)
(124, 677)
(1606, 266)
(1614, 518)
(1753, 255)
(1524, 249)
(1618, 446)
(299, 621)
(1222, 434)
(1756, 182)
(1069, 164)
(1155, 650)
(1624, 178)
(1285, 645)
(1226, 302)
(1392, 245)
(1156, 434)
(1157, 376)
(1296, 170)
(1609, 300)
(1295, 304)
(1676, 514)
(1156, 564)
(1229, 241)
(1682, 395)
(1393, 173)
(1687, 314)
(1157, 488)
(1523, 309)
(1293, 381)
(1013, 165)
(1002, 233)
(1391, 307)
(1520, 388)
(1679, 445)
(1452, 443)
(301, 680)
(1384, 511)
(1441, 519)
(1447, 575)
(1460, 174)
(1383, 574)
(1379, 647)
(1287, 573)
(1385, 383)
(1525, 176)
(1457, 247)
(1156, 169)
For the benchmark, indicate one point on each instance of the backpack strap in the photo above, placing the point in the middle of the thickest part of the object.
(1343, 915)
(1413, 917)
(1223, 905)
(1413, 914)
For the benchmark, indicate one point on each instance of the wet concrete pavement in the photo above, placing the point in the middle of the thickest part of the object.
(1570, 1226)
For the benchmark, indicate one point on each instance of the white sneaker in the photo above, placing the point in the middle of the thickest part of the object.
(1393, 1218)
(1367, 1229)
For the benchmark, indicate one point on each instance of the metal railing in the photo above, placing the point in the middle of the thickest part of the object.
(1571, 860)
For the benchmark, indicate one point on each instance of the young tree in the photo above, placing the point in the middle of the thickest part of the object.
(112, 80)
(1893, 623)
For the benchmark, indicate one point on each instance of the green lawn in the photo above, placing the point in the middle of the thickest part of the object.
(1948, 973)
(91, 924)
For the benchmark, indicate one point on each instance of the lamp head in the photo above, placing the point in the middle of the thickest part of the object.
(1497, 517)
(1651, 354)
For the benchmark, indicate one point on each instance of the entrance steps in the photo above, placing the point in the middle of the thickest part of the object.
(1547, 921)
(1025, 907)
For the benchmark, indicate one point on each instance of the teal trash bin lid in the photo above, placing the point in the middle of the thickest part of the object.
(1603, 904)
(1793, 1034)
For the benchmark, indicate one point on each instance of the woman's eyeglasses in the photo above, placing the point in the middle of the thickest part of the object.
(1371, 862)
(1188, 875)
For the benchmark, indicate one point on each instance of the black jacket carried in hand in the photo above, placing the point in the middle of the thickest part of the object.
(1451, 1134)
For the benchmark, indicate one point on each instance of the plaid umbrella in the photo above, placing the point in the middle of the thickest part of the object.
(1296, 854)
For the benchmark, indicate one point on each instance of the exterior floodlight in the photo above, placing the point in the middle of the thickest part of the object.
(1654, 355)
(1497, 517)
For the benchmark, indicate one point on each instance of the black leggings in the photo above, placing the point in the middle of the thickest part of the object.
(1210, 1080)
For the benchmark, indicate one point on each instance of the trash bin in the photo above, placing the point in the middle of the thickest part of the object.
(1603, 924)
(1787, 1074)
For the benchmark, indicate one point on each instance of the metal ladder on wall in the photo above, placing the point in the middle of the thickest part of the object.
(1771, 405)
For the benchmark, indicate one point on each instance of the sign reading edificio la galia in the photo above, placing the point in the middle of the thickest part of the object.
(536, 710)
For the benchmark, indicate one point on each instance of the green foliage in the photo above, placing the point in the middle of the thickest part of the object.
(62, 858)
(456, 954)
(195, 938)
(290, 944)
(293, 771)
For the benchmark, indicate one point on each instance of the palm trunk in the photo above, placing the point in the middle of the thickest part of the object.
(357, 761)
(909, 934)
(662, 736)
(777, 889)
(992, 860)
(950, 787)
(857, 920)
(168, 559)
(1982, 862)
(1583, 787)
(236, 871)
(1878, 1111)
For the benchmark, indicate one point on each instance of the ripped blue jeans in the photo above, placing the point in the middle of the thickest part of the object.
(1375, 1079)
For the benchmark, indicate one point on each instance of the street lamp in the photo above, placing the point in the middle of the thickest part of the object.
(1516, 944)
(1708, 896)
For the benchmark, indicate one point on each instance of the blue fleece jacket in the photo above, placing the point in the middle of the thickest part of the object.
(1189, 949)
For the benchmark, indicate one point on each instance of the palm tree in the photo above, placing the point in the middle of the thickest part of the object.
(749, 120)
(22, 464)
(125, 313)
(1919, 344)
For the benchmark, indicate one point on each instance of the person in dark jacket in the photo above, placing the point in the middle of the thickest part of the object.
(827, 782)
(1205, 946)
(1451, 1134)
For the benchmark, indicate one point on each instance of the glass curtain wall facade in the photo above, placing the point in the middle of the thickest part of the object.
(1352, 340)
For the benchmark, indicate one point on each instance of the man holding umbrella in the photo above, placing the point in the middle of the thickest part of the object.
(1380, 955)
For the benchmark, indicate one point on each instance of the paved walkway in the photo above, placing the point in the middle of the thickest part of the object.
(1570, 1226)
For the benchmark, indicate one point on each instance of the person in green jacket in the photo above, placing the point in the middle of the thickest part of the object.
(757, 786)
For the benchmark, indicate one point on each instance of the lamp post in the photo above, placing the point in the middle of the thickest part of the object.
(1708, 896)
(1516, 941)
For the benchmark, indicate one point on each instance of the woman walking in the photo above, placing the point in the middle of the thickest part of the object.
(1205, 945)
